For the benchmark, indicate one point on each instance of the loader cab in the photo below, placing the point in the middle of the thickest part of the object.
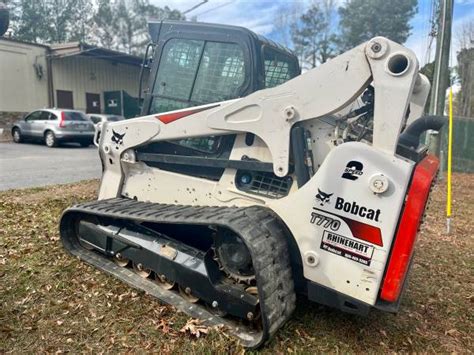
(198, 63)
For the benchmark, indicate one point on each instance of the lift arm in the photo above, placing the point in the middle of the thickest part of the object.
(270, 114)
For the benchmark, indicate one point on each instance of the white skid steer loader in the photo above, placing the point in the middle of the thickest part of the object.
(227, 210)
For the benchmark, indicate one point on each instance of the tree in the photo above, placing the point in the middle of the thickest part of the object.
(287, 15)
(104, 26)
(360, 20)
(123, 25)
(466, 75)
(114, 24)
(312, 35)
(68, 20)
(27, 20)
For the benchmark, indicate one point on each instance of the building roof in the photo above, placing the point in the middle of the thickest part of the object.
(62, 50)
(12, 39)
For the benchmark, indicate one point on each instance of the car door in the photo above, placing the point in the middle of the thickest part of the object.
(39, 125)
(28, 126)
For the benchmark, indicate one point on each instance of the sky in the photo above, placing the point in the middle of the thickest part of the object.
(259, 16)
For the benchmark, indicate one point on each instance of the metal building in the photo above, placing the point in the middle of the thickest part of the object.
(70, 75)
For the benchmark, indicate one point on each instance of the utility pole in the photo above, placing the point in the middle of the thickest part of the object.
(443, 44)
(441, 77)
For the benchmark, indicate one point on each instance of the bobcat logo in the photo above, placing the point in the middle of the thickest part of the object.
(117, 138)
(323, 197)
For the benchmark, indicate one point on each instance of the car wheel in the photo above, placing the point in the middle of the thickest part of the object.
(50, 139)
(16, 134)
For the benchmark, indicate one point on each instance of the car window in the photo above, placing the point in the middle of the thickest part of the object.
(44, 116)
(52, 116)
(34, 116)
(95, 119)
(114, 118)
(74, 116)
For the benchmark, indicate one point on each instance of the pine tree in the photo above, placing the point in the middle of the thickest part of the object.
(28, 20)
(312, 34)
(360, 20)
(119, 24)
(104, 27)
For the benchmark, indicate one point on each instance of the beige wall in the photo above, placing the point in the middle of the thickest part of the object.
(92, 75)
(20, 88)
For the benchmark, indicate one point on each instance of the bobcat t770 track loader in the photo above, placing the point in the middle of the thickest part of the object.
(227, 210)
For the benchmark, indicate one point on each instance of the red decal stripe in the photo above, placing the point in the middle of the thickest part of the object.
(360, 230)
(402, 249)
(364, 231)
(174, 116)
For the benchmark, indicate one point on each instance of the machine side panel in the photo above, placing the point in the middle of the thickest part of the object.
(343, 229)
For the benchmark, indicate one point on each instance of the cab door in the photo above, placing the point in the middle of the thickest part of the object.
(195, 64)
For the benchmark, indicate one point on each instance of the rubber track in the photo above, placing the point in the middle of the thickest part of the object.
(258, 227)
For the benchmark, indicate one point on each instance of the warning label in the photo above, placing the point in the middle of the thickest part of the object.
(347, 247)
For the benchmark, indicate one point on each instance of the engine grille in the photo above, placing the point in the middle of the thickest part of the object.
(263, 183)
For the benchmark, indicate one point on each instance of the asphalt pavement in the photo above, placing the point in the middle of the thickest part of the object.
(34, 165)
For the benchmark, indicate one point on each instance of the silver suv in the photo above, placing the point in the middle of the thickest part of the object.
(54, 126)
(96, 118)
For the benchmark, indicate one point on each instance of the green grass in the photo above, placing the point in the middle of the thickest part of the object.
(52, 302)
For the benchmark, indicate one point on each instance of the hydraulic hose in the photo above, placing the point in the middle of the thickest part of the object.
(411, 135)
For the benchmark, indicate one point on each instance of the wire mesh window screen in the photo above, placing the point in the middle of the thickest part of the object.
(178, 66)
(221, 73)
(278, 68)
(160, 104)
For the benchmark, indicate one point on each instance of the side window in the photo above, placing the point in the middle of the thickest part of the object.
(278, 67)
(52, 116)
(44, 116)
(221, 73)
(34, 116)
(177, 70)
(192, 73)
(95, 119)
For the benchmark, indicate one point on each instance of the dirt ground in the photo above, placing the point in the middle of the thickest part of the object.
(51, 302)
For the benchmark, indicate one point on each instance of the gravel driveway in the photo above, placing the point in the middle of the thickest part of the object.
(34, 165)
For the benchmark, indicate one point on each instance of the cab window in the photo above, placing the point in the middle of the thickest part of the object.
(193, 72)
(279, 67)
(197, 72)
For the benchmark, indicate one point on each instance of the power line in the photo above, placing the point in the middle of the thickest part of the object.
(215, 8)
(195, 7)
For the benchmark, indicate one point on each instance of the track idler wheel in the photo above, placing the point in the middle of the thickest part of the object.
(141, 270)
(187, 294)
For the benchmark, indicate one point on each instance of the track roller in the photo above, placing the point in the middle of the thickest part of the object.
(141, 270)
(120, 260)
(187, 294)
(163, 281)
